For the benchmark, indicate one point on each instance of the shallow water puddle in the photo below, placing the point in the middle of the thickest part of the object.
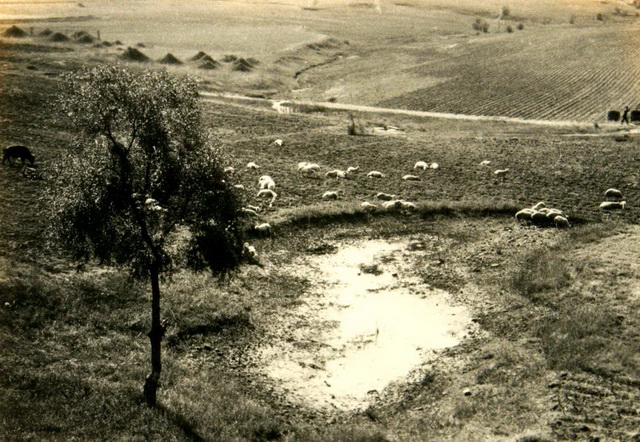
(365, 324)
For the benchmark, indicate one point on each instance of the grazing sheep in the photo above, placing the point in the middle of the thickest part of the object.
(255, 208)
(613, 193)
(539, 205)
(561, 222)
(552, 214)
(613, 205)
(434, 166)
(539, 218)
(368, 206)
(411, 178)
(262, 228)
(239, 186)
(407, 205)
(302, 165)
(385, 196)
(524, 214)
(310, 169)
(251, 250)
(330, 195)
(252, 165)
(336, 173)
(391, 205)
(266, 182)
(501, 172)
(421, 165)
(278, 142)
(375, 174)
(249, 211)
(352, 169)
(21, 152)
(268, 192)
(229, 169)
(485, 163)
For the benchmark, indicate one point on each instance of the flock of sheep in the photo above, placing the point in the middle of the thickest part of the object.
(539, 215)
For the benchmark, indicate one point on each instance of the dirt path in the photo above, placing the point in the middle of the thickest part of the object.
(280, 104)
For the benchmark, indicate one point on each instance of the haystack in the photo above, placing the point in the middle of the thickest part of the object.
(229, 58)
(209, 64)
(132, 54)
(169, 59)
(14, 32)
(46, 33)
(58, 37)
(198, 56)
(85, 39)
(242, 65)
(206, 58)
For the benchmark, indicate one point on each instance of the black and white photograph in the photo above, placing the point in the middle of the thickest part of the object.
(320, 220)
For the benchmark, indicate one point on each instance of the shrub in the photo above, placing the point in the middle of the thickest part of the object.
(520, 26)
(600, 17)
(477, 25)
(509, 29)
(506, 11)
(572, 19)
(485, 27)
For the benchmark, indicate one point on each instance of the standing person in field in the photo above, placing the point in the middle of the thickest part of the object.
(625, 115)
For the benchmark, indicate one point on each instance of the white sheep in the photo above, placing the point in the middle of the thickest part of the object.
(613, 193)
(368, 206)
(309, 169)
(266, 182)
(561, 222)
(393, 204)
(330, 195)
(434, 166)
(613, 205)
(501, 172)
(385, 196)
(539, 205)
(252, 165)
(267, 192)
(407, 205)
(539, 218)
(336, 173)
(524, 214)
(552, 214)
(249, 211)
(229, 169)
(375, 174)
(485, 163)
(302, 165)
(251, 250)
(239, 186)
(352, 169)
(421, 165)
(278, 142)
(255, 208)
(262, 228)
(411, 178)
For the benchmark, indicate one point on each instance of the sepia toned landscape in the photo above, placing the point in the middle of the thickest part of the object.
(399, 284)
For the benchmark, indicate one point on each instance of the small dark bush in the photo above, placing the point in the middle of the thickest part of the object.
(506, 11)
(572, 19)
(520, 26)
(600, 17)
(509, 29)
(485, 27)
(477, 25)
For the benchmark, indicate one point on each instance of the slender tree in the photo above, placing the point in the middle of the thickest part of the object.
(142, 187)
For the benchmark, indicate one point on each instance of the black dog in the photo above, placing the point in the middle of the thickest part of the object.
(21, 152)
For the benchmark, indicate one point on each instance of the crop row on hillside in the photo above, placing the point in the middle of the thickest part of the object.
(568, 74)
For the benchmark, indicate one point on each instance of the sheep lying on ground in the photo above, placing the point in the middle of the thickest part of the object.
(543, 216)
(239, 186)
(501, 172)
(252, 165)
(262, 228)
(613, 205)
(229, 169)
(278, 142)
(249, 211)
(411, 178)
(434, 166)
(267, 192)
(485, 163)
(352, 169)
(561, 222)
(375, 174)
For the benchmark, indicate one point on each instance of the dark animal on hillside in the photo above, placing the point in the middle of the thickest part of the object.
(21, 152)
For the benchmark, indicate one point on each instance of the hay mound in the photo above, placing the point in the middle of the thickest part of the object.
(85, 39)
(242, 65)
(198, 56)
(132, 54)
(229, 58)
(169, 59)
(58, 37)
(252, 61)
(14, 32)
(117, 42)
(107, 43)
(45, 33)
(209, 64)
(207, 58)
(140, 45)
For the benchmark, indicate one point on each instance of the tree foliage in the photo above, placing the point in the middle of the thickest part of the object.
(143, 184)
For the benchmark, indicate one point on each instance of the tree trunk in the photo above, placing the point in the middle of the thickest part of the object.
(155, 335)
